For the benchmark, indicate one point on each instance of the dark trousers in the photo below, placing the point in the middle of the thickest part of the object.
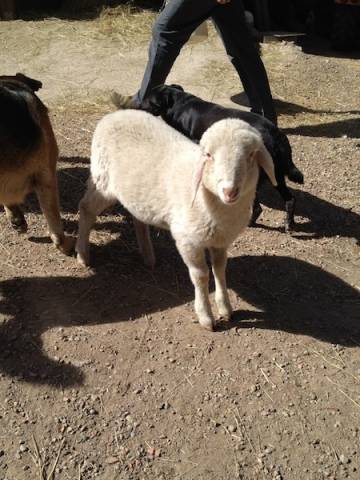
(174, 26)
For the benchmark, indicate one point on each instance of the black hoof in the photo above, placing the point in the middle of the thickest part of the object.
(257, 211)
(19, 225)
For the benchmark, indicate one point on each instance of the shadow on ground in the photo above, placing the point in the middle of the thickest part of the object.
(289, 295)
(341, 128)
(325, 219)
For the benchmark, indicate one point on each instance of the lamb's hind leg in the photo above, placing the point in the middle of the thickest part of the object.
(92, 204)
(194, 259)
(16, 217)
(144, 242)
(219, 260)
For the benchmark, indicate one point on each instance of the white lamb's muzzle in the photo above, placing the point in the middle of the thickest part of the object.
(227, 192)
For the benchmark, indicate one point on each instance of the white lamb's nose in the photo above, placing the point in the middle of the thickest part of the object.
(230, 193)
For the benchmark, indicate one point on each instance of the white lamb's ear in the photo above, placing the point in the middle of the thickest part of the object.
(197, 175)
(265, 161)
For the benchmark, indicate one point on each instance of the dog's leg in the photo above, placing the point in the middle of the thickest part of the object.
(16, 217)
(47, 192)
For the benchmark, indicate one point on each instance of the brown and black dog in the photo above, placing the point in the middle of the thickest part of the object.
(28, 156)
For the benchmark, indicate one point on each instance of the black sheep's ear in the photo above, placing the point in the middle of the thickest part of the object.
(177, 87)
(153, 102)
(35, 85)
(169, 98)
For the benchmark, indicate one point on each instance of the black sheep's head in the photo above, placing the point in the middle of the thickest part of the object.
(161, 99)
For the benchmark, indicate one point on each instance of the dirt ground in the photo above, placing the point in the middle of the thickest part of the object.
(104, 372)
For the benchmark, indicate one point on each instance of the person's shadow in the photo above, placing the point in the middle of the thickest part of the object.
(337, 129)
(349, 128)
(286, 294)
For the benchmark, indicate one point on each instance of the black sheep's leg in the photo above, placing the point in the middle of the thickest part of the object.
(289, 200)
(290, 211)
(257, 210)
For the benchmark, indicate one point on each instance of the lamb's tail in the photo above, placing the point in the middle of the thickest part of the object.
(295, 175)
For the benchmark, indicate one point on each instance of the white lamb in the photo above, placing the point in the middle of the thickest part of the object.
(202, 193)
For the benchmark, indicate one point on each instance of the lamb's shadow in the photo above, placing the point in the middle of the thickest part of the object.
(289, 295)
(120, 289)
(296, 297)
(325, 219)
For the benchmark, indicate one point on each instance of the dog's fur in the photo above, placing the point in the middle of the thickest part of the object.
(28, 155)
(192, 116)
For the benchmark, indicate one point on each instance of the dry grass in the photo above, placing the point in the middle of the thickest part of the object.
(40, 462)
(127, 23)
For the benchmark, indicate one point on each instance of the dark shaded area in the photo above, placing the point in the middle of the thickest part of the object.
(337, 129)
(296, 297)
(348, 128)
(318, 45)
(73, 10)
(292, 108)
(75, 160)
(72, 186)
(325, 219)
(289, 294)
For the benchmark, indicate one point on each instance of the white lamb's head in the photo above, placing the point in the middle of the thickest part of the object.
(231, 151)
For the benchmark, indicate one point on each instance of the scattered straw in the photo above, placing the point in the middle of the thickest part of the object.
(344, 393)
(39, 462)
(130, 25)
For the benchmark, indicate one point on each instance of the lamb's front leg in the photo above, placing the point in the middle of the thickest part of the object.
(219, 261)
(194, 259)
(144, 242)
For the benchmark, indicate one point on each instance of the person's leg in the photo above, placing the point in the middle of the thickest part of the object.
(172, 29)
(230, 22)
